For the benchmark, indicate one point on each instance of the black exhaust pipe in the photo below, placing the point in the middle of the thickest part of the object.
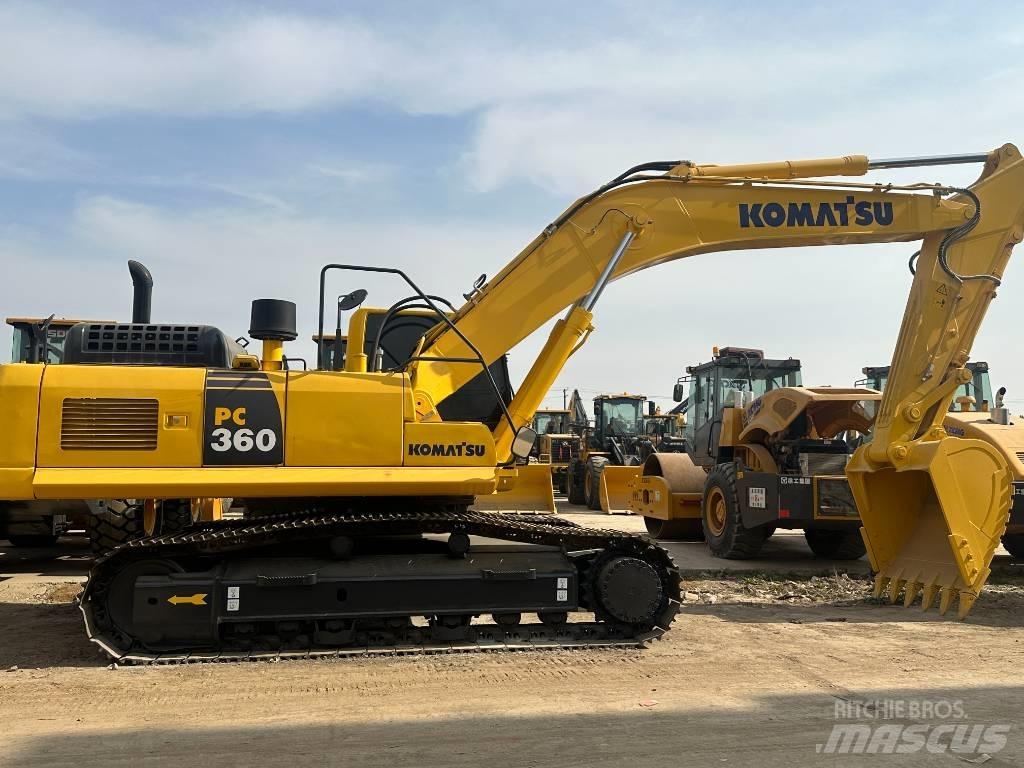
(142, 299)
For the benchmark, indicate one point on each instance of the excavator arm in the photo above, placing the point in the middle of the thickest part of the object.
(933, 506)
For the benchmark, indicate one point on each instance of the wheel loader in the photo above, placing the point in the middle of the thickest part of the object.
(599, 473)
(556, 445)
(369, 473)
(975, 414)
(764, 452)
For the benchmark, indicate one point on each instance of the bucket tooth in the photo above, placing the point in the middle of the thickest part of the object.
(930, 588)
(913, 589)
(880, 583)
(966, 603)
(895, 585)
(946, 600)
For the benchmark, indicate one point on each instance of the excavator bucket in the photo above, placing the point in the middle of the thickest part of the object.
(933, 522)
(531, 492)
(617, 485)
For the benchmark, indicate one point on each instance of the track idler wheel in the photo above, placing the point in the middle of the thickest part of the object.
(625, 589)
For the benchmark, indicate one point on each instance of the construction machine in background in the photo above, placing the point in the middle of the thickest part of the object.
(764, 452)
(974, 413)
(599, 473)
(368, 474)
(664, 432)
(556, 444)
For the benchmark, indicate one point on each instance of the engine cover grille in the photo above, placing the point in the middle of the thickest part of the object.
(562, 449)
(109, 424)
(823, 463)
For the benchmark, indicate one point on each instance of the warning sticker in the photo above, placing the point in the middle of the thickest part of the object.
(756, 498)
(563, 583)
(233, 604)
(562, 595)
(233, 592)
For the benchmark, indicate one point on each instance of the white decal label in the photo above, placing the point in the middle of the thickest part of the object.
(233, 592)
(563, 583)
(756, 498)
(233, 604)
(562, 595)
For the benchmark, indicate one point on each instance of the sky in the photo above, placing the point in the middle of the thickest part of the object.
(235, 148)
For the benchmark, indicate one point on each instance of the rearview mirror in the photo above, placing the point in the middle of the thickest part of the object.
(677, 392)
(352, 300)
(523, 442)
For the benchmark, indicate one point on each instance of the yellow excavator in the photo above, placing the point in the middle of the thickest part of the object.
(368, 473)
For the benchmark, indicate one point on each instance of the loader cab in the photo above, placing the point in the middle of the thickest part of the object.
(618, 417)
(735, 377)
(34, 334)
(551, 422)
(974, 395)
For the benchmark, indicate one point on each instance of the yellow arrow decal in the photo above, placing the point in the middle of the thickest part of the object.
(197, 599)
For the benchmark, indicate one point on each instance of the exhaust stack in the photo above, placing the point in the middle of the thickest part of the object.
(142, 298)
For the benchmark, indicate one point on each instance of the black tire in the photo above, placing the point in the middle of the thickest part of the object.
(173, 516)
(720, 518)
(592, 480)
(1014, 544)
(574, 479)
(680, 529)
(836, 545)
(110, 527)
(33, 540)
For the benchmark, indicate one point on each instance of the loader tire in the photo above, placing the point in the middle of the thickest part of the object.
(574, 481)
(111, 527)
(836, 545)
(592, 481)
(721, 521)
(173, 516)
(1014, 544)
(33, 540)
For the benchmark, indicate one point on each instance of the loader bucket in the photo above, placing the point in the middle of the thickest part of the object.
(932, 521)
(617, 489)
(531, 492)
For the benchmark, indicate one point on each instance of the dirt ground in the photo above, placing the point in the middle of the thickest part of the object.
(752, 673)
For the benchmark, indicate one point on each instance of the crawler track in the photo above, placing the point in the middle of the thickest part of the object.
(588, 549)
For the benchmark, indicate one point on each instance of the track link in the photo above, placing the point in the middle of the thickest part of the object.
(587, 548)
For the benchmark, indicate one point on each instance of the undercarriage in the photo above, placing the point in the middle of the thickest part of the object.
(316, 583)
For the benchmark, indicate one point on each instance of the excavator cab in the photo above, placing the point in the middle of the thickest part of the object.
(386, 339)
